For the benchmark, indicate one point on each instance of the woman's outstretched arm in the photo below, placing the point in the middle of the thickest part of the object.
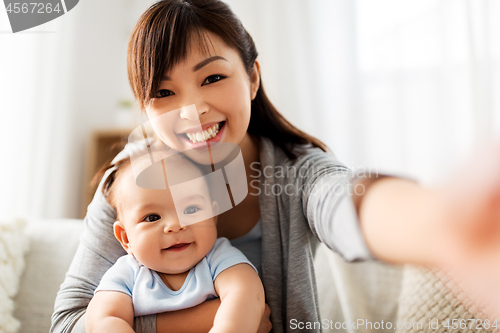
(404, 222)
(453, 226)
(400, 220)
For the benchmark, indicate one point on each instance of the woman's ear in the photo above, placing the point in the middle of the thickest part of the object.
(121, 236)
(255, 80)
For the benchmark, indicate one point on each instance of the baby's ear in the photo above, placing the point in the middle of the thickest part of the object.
(121, 236)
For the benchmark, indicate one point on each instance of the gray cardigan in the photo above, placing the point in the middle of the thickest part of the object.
(298, 200)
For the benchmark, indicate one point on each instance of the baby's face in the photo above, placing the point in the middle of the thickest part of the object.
(149, 226)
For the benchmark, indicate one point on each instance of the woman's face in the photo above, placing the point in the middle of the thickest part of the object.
(204, 99)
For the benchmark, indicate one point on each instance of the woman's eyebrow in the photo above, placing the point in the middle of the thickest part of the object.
(206, 62)
(199, 66)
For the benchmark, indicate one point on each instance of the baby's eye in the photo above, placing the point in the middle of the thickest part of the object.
(213, 79)
(191, 210)
(163, 93)
(152, 218)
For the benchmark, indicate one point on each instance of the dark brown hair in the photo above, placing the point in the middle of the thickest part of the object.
(160, 40)
(108, 188)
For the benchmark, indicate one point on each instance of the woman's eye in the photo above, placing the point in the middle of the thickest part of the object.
(191, 210)
(213, 79)
(152, 218)
(163, 93)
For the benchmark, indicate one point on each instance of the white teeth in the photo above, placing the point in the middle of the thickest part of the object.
(204, 135)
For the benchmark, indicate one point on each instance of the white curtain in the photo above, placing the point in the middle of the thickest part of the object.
(33, 126)
(434, 68)
(408, 87)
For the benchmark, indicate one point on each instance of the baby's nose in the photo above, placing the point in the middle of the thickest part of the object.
(173, 226)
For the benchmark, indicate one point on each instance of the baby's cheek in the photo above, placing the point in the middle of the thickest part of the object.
(207, 233)
(213, 236)
(147, 245)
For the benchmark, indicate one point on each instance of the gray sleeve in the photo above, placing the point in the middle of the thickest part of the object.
(329, 208)
(96, 253)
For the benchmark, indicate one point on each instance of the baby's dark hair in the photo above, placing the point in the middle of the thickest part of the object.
(120, 167)
(108, 188)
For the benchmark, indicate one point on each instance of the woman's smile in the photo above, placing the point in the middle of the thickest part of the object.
(207, 132)
(210, 133)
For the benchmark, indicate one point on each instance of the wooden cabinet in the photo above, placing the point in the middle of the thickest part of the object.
(102, 148)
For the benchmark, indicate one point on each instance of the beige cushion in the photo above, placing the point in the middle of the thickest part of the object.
(52, 246)
(430, 296)
(13, 244)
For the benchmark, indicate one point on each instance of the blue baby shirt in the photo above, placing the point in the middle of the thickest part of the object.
(150, 294)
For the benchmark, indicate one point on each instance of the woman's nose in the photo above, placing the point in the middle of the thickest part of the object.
(193, 112)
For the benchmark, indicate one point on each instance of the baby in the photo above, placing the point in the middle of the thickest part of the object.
(172, 264)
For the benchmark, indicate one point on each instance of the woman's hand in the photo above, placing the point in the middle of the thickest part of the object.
(454, 226)
(471, 216)
(472, 201)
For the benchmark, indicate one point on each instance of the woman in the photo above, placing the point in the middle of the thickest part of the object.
(196, 52)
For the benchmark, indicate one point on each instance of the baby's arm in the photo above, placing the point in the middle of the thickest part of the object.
(110, 311)
(242, 300)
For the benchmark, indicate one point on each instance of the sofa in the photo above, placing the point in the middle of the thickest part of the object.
(347, 292)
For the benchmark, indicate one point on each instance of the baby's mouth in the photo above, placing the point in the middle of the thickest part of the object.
(206, 134)
(178, 247)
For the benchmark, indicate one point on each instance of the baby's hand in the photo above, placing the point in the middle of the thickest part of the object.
(265, 322)
(242, 297)
(109, 311)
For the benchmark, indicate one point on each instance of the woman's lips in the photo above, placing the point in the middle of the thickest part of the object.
(203, 144)
(178, 247)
